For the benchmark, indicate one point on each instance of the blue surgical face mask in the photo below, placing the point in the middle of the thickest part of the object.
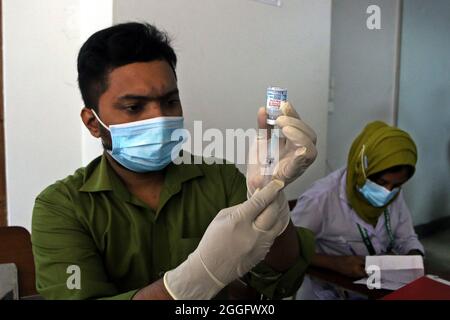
(147, 145)
(376, 195)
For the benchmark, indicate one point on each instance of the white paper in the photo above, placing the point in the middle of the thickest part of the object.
(395, 271)
(385, 284)
(395, 262)
(400, 269)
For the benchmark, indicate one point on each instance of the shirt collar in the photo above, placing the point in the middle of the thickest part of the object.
(177, 174)
(101, 177)
(97, 177)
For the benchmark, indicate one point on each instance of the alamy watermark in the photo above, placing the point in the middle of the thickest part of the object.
(214, 146)
(373, 21)
(374, 279)
(74, 280)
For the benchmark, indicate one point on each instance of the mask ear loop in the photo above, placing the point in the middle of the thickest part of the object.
(98, 119)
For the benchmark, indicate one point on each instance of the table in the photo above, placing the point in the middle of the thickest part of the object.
(372, 294)
(345, 282)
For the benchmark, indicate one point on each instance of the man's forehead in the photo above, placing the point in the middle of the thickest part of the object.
(151, 95)
(151, 79)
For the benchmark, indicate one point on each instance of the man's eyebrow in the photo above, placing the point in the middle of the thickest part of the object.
(148, 97)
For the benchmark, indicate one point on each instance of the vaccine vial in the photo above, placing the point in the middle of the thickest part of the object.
(275, 96)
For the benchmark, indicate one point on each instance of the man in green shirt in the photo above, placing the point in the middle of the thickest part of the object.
(133, 224)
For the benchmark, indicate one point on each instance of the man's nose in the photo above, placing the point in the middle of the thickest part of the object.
(389, 186)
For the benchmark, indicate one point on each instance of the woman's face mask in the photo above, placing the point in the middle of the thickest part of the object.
(378, 196)
(147, 145)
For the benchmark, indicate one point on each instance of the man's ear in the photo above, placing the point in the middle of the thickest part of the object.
(90, 121)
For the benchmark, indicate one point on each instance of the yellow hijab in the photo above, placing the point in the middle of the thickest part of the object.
(378, 147)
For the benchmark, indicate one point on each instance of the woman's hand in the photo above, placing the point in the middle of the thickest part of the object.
(351, 266)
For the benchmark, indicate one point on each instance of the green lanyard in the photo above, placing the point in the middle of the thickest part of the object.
(366, 239)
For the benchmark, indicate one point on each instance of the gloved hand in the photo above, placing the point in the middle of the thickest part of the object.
(295, 153)
(235, 241)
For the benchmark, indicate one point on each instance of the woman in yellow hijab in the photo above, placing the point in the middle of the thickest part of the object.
(379, 150)
(359, 210)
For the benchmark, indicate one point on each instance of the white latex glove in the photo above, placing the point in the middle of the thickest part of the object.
(235, 241)
(296, 150)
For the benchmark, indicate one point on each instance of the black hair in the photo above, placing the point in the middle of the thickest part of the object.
(117, 46)
(410, 170)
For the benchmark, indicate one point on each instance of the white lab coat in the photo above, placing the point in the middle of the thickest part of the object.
(325, 210)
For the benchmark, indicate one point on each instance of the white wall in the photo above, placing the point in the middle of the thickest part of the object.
(424, 109)
(362, 68)
(42, 103)
(94, 16)
(229, 52)
(228, 56)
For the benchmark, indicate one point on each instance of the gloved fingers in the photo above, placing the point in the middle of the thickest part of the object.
(285, 121)
(267, 219)
(283, 223)
(288, 109)
(297, 137)
(226, 211)
(260, 200)
(305, 154)
(293, 166)
(280, 226)
(254, 182)
(285, 213)
(275, 217)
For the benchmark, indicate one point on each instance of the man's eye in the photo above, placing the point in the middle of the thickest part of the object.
(133, 108)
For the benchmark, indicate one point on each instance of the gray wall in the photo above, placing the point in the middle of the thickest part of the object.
(363, 71)
(424, 104)
(230, 50)
(362, 68)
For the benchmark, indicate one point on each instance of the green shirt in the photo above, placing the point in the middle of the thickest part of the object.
(120, 244)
